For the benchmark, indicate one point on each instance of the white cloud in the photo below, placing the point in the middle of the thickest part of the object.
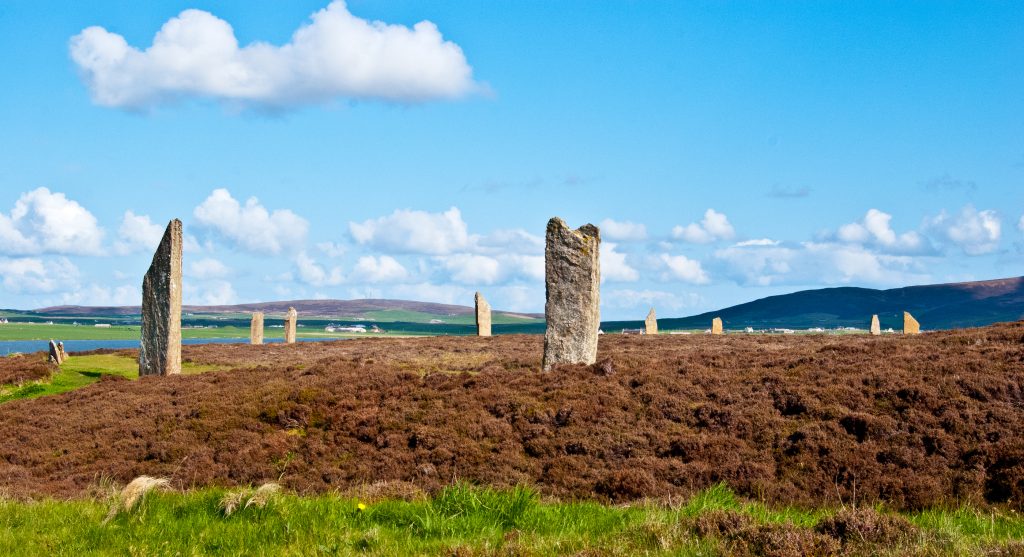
(335, 55)
(642, 299)
(614, 267)
(32, 275)
(214, 293)
(467, 268)
(379, 269)
(874, 229)
(508, 241)
(407, 231)
(207, 268)
(624, 231)
(975, 232)
(138, 233)
(332, 249)
(680, 267)
(251, 226)
(713, 227)
(45, 222)
(96, 295)
(313, 274)
(1020, 224)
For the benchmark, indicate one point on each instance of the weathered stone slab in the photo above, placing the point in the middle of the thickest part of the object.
(483, 316)
(256, 328)
(572, 276)
(60, 350)
(876, 328)
(55, 354)
(160, 349)
(716, 326)
(910, 325)
(651, 323)
(290, 322)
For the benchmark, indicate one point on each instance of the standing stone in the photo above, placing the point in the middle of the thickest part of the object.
(160, 349)
(910, 325)
(572, 276)
(256, 328)
(55, 356)
(60, 350)
(290, 322)
(716, 326)
(483, 316)
(651, 323)
(876, 328)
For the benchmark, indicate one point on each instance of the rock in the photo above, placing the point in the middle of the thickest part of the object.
(876, 328)
(60, 350)
(483, 316)
(651, 323)
(716, 326)
(256, 328)
(290, 322)
(910, 325)
(160, 349)
(55, 357)
(572, 276)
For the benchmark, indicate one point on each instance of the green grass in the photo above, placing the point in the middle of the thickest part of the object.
(469, 520)
(62, 331)
(79, 371)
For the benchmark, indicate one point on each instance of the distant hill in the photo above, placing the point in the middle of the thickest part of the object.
(939, 306)
(349, 309)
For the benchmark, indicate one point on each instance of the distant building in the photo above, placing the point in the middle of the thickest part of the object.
(103, 325)
(632, 331)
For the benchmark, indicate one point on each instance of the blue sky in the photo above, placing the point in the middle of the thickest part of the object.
(729, 151)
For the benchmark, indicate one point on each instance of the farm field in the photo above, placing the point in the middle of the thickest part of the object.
(39, 331)
(802, 425)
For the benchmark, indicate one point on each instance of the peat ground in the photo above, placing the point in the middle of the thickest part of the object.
(912, 422)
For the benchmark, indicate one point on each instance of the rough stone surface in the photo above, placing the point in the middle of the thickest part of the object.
(651, 323)
(60, 350)
(160, 349)
(876, 328)
(55, 354)
(910, 325)
(716, 326)
(483, 316)
(290, 322)
(256, 328)
(572, 275)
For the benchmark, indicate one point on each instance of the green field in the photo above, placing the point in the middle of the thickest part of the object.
(459, 520)
(63, 331)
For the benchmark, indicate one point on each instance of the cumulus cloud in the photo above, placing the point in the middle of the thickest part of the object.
(334, 55)
(636, 299)
(48, 222)
(614, 267)
(138, 233)
(207, 268)
(96, 295)
(251, 226)
(314, 274)
(407, 231)
(212, 293)
(624, 231)
(680, 267)
(379, 269)
(475, 269)
(875, 229)
(31, 275)
(332, 249)
(975, 232)
(713, 227)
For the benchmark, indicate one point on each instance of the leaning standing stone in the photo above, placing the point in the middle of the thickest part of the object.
(160, 349)
(910, 325)
(716, 326)
(572, 275)
(651, 323)
(290, 322)
(876, 328)
(483, 316)
(55, 357)
(60, 350)
(256, 328)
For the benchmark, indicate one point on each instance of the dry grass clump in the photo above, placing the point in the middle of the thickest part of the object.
(246, 497)
(135, 492)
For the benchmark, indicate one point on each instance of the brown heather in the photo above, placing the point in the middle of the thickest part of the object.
(809, 420)
(20, 368)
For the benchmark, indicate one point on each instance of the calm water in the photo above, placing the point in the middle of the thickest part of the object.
(26, 346)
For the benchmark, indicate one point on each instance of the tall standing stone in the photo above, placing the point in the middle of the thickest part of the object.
(290, 322)
(572, 276)
(651, 323)
(160, 349)
(256, 328)
(483, 316)
(55, 354)
(876, 328)
(716, 326)
(910, 325)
